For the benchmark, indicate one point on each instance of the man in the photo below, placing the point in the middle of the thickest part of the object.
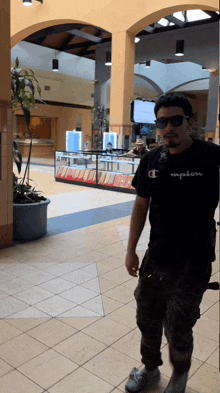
(139, 150)
(178, 182)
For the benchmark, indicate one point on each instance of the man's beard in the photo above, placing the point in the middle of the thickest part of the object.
(171, 142)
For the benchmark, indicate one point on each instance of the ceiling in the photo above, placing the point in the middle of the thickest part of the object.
(81, 40)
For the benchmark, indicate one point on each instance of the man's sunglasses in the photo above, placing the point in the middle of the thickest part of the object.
(175, 121)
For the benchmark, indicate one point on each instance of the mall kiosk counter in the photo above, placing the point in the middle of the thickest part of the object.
(97, 168)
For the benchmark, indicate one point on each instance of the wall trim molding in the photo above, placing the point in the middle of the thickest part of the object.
(55, 103)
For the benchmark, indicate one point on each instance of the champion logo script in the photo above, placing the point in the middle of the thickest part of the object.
(186, 174)
(153, 173)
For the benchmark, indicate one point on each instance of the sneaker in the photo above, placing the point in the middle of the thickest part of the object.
(141, 380)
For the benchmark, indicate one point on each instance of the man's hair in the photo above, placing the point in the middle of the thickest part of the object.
(169, 100)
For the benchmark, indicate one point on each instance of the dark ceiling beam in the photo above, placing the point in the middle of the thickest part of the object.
(151, 28)
(184, 13)
(87, 36)
(213, 14)
(83, 51)
(86, 44)
(54, 30)
(175, 27)
(41, 40)
(65, 43)
(174, 20)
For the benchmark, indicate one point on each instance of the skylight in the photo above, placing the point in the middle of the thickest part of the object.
(179, 16)
(193, 15)
(163, 22)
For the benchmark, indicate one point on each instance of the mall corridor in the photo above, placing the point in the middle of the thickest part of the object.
(67, 307)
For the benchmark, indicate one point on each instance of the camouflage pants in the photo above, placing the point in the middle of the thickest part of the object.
(169, 299)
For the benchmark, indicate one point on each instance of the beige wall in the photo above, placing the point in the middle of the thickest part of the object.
(111, 15)
(65, 121)
(64, 88)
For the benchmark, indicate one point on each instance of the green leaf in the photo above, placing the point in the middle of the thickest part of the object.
(16, 62)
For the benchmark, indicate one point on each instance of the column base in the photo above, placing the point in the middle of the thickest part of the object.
(6, 235)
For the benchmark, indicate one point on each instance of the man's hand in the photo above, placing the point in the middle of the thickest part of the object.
(132, 263)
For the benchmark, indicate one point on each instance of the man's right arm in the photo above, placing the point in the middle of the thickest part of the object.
(138, 219)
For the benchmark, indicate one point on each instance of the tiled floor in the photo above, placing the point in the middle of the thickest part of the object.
(68, 313)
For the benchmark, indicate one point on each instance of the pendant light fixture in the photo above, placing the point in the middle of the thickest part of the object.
(179, 48)
(108, 59)
(55, 64)
(28, 3)
(147, 64)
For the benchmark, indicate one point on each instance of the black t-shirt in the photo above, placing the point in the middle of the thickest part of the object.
(184, 192)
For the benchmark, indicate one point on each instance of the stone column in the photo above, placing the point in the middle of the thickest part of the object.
(122, 83)
(6, 135)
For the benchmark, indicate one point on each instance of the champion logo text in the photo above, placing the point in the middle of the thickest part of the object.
(186, 174)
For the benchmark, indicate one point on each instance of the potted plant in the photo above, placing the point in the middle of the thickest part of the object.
(30, 208)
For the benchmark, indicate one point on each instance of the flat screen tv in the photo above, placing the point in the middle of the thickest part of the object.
(142, 112)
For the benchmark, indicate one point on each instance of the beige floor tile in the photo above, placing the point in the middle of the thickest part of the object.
(81, 381)
(90, 257)
(52, 332)
(207, 327)
(130, 345)
(20, 350)
(110, 240)
(205, 305)
(203, 347)
(213, 312)
(4, 368)
(106, 330)
(132, 283)
(7, 332)
(167, 368)
(205, 380)
(215, 276)
(80, 348)
(213, 296)
(106, 285)
(26, 324)
(119, 275)
(59, 256)
(215, 267)
(214, 359)
(133, 303)
(79, 323)
(47, 368)
(110, 305)
(15, 382)
(108, 264)
(121, 292)
(111, 365)
(125, 315)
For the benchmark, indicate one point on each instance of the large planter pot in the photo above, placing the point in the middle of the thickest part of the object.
(30, 220)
